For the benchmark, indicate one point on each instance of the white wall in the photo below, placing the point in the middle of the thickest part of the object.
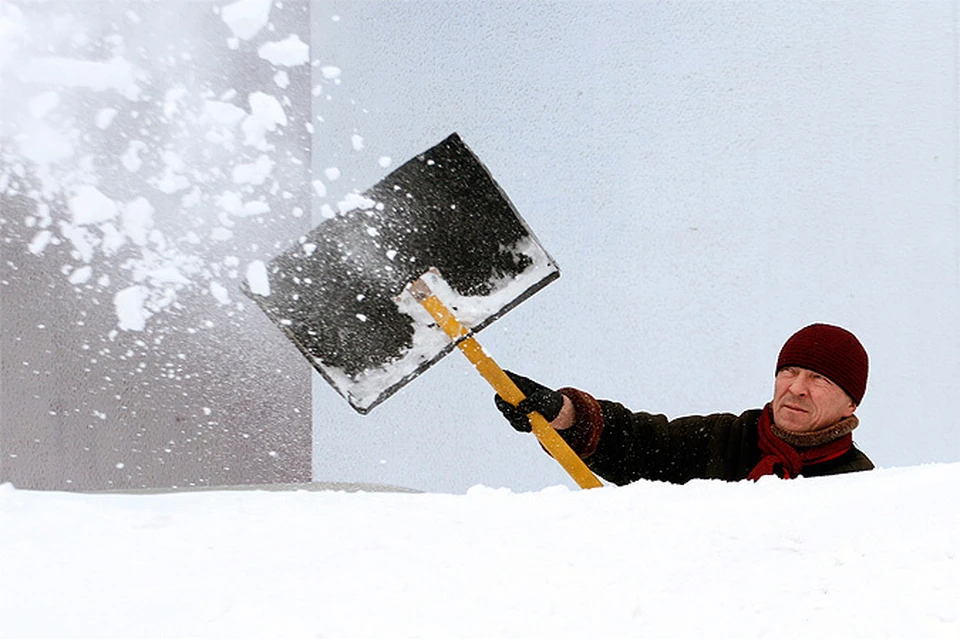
(709, 176)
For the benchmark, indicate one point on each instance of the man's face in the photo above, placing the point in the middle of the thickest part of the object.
(804, 400)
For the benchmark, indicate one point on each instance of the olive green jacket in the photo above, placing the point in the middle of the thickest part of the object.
(622, 446)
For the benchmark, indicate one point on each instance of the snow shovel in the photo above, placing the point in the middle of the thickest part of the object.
(343, 294)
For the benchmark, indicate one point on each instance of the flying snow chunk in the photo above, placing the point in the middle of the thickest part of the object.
(137, 220)
(291, 52)
(246, 17)
(257, 278)
(355, 201)
(265, 115)
(222, 113)
(168, 275)
(131, 314)
(357, 142)
(330, 73)
(40, 242)
(90, 206)
(131, 158)
(232, 203)
(105, 117)
(81, 275)
(219, 292)
(255, 172)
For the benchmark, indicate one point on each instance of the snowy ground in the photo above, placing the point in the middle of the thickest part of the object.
(866, 555)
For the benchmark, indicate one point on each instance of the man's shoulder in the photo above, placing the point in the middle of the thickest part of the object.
(856, 460)
(851, 461)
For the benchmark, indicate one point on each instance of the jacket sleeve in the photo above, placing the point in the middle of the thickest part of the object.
(622, 446)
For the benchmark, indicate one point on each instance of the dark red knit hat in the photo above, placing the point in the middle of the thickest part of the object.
(830, 351)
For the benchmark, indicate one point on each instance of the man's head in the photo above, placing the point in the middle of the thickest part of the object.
(821, 378)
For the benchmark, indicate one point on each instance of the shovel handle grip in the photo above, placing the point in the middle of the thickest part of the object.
(503, 385)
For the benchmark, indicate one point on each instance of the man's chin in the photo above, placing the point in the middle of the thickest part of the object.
(787, 420)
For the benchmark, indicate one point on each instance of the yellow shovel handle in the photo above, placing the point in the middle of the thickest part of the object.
(503, 385)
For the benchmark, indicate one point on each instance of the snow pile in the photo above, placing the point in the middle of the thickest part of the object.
(865, 555)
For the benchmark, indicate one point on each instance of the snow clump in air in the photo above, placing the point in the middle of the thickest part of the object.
(246, 17)
(291, 52)
(257, 278)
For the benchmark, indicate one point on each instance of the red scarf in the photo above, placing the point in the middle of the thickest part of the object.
(783, 459)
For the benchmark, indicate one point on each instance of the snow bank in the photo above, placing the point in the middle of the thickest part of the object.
(866, 555)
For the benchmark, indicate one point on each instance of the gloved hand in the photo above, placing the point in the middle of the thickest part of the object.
(539, 398)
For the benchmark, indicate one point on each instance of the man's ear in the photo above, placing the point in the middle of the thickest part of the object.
(851, 407)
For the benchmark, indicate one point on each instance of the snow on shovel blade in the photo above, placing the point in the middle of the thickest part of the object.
(337, 292)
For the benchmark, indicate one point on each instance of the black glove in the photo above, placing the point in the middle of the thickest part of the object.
(539, 398)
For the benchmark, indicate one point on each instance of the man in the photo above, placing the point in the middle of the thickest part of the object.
(805, 430)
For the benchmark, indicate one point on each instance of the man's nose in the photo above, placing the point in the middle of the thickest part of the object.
(800, 385)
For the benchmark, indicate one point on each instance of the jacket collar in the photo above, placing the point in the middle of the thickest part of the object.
(822, 435)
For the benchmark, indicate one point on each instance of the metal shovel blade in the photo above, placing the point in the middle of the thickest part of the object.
(336, 293)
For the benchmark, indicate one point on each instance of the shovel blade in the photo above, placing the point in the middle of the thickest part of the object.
(338, 292)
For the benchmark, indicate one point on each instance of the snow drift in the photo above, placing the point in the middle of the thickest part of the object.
(863, 555)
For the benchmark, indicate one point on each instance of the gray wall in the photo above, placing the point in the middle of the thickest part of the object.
(113, 95)
(710, 176)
